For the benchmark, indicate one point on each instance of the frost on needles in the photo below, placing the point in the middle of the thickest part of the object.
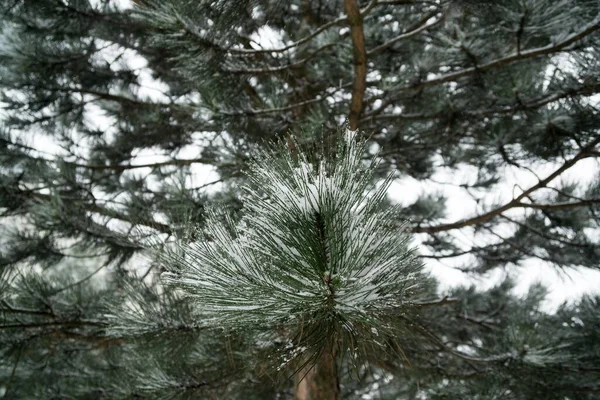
(315, 251)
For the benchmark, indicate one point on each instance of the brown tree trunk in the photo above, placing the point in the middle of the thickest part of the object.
(321, 381)
(360, 61)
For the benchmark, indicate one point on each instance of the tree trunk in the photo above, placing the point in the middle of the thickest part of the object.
(321, 381)
(360, 61)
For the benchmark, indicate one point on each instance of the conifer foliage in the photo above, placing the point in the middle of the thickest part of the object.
(161, 238)
(314, 249)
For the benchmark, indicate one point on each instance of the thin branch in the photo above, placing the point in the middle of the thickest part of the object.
(466, 357)
(519, 247)
(408, 117)
(521, 30)
(305, 39)
(23, 146)
(559, 206)
(272, 110)
(437, 302)
(207, 184)
(13, 310)
(118, 167)
(175, 162)
(79, 282)
(14, 371)
(404, 2)
(516, 202)
(412, 31)
(546, 236)
(280, 68)
(100, 341)
(297, 43)
(107, 212)
(451, 255)
(585, 90)
(482, 323)
(35, 325)
(102, 95)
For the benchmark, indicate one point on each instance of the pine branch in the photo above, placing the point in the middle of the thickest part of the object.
(313, 249)
(118, 167)
(107, 212)
(532, 53)
(585, 90)
(546, 236)
(516, 202)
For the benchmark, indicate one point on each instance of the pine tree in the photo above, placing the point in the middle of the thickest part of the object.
(123, 277)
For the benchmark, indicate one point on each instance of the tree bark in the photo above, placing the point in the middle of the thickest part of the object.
(360, 61)
(321, 381)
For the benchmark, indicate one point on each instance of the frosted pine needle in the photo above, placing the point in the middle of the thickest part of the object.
(314, 245)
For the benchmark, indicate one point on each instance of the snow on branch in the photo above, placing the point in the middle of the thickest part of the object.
(314, 245)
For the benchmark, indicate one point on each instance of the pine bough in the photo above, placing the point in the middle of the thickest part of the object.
(315, 253)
